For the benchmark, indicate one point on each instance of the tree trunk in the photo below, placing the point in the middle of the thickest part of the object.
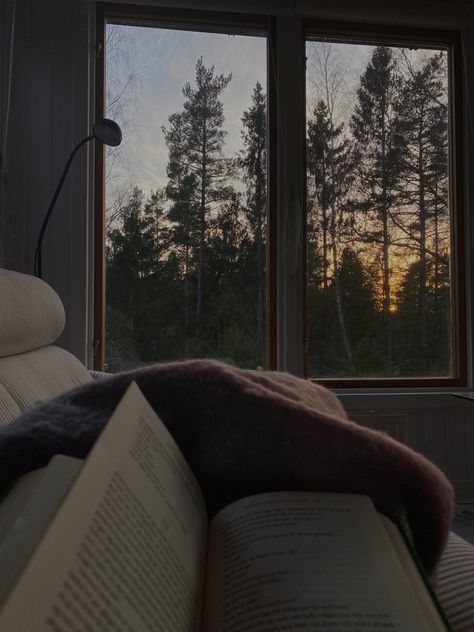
(386, 291)
(337, 288)
(260, 269)
(325, 249)
(437, 326)
(202, 228)
(386, 245)
(422, 219)
(186, 300)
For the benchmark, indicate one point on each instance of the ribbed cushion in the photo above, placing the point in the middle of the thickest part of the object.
(9, 408)
(456, 583)
(34, 376)
(31, 313)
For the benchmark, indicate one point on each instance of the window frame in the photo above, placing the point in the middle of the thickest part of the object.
(175, 19)
(451, 40)
(287, 318)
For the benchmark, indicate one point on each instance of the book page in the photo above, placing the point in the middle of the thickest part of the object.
(126, 549)
(26, 513)
(306, 562)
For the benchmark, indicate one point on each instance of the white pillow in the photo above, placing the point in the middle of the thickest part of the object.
(34, 376)
(31, 313)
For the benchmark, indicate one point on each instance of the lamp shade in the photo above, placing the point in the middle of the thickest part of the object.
(108, 132)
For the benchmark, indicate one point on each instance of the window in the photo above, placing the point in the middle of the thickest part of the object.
(381, 209)
(185, 193)
(204, 235)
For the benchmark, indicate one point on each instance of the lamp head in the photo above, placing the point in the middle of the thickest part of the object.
(108, 132)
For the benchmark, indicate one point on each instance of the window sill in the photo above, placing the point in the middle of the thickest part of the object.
(378, 400)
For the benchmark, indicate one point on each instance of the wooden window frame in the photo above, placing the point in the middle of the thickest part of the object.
(211, 22)
(451, 40)
(281, 342)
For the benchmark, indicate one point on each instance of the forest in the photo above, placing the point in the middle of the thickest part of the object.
(186, 263)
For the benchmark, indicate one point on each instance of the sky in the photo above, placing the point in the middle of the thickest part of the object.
(163, 60)
(159, 62)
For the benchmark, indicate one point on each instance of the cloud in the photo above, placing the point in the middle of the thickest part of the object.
(164, 59)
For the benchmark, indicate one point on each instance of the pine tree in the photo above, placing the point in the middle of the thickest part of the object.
(230, 324)
(358, 298)
(183, 216)
(195, 141)
(423, 129)
(253, 163)
(434, 359)
(135, 247)
(329, 162)
(378, 158)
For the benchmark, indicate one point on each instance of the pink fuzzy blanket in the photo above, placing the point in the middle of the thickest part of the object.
(245, 432)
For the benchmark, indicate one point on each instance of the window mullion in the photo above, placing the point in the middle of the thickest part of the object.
(289, 76)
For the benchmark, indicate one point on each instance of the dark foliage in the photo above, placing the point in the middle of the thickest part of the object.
(186, 267)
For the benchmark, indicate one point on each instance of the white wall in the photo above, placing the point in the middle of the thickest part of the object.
(440, 426)
(49, 113)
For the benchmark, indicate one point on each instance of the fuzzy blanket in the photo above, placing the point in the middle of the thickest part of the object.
(245, 432)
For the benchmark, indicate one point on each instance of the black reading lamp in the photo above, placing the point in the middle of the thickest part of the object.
(109, 133)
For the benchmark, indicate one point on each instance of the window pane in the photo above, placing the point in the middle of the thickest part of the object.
(378, 211)
(185, 197)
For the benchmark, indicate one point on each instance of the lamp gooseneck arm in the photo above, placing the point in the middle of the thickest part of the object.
(53, 202)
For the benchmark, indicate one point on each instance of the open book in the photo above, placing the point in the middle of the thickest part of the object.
(128, 547)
